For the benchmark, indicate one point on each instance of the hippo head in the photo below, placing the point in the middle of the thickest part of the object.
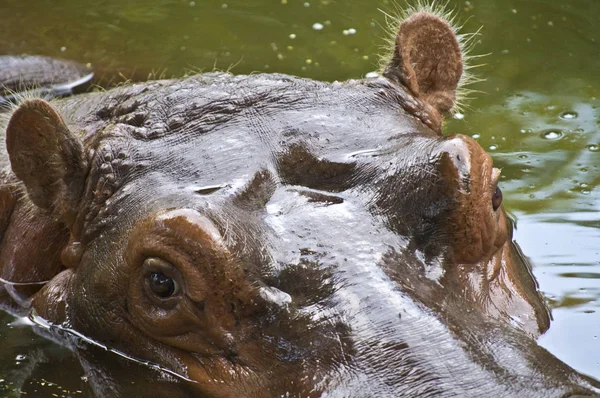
(257, 235)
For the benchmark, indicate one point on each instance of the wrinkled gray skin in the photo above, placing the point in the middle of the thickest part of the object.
(326, 234)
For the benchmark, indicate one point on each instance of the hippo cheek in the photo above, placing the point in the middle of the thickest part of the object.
(50, 303)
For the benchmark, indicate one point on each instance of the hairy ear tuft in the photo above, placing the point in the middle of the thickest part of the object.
(428, 57)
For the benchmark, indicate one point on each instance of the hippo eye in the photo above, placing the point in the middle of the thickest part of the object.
(162, 281)
(497, 198)
(162, 285)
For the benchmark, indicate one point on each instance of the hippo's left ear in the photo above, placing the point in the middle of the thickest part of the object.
(47, 157)
(427, 60)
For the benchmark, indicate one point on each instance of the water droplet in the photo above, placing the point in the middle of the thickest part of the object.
(317, 26)
(568, 115)
(593, 148)
(293, 36)
(458, 116)
(223, 6)
(552, 134)
(585, 191)
(63, 49)
(522, 156)
(20, 357)
(493, 147)
(307, 4)
(476, 136)
(350, 31)
(372, 75)
(309, 61)
(283, 1)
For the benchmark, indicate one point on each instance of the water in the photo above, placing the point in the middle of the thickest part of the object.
(538, 112)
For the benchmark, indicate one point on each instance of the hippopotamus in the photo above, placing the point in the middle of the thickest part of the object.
(269, 236)
(41, 76)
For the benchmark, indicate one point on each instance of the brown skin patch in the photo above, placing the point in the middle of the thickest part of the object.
(298, 166)
(51, 301)
(230, 341)
(476, 229)
(30, 250)
(7, 203)
(212, 294)
(427, 61)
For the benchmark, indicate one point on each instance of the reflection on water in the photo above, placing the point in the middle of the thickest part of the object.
(567, 258)
(538, 114)
(546, 147)
(34, 365)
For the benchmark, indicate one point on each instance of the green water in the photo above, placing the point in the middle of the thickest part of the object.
(537, 113)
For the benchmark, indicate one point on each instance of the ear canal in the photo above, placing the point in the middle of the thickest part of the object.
(47, 157)
(427, 60)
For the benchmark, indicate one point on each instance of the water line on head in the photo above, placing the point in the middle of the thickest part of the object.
(45, 324)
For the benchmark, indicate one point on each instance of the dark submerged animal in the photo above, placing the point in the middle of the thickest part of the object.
(269, 236)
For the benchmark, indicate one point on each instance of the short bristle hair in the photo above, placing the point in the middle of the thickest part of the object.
(466, 42)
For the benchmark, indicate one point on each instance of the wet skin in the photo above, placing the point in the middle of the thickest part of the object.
(41, 76)
(263, 235)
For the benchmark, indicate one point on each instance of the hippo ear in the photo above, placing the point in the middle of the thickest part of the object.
(427, 59)
(47, 157)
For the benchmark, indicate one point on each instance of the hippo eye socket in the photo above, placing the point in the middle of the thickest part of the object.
(497, 198)
(162, 285)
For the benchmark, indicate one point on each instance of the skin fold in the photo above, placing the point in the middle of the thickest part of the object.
(267, 235)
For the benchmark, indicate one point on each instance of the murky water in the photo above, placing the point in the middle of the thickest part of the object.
(538, 114)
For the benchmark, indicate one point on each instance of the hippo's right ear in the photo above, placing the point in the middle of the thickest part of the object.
(427, 60)
(47, 158)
